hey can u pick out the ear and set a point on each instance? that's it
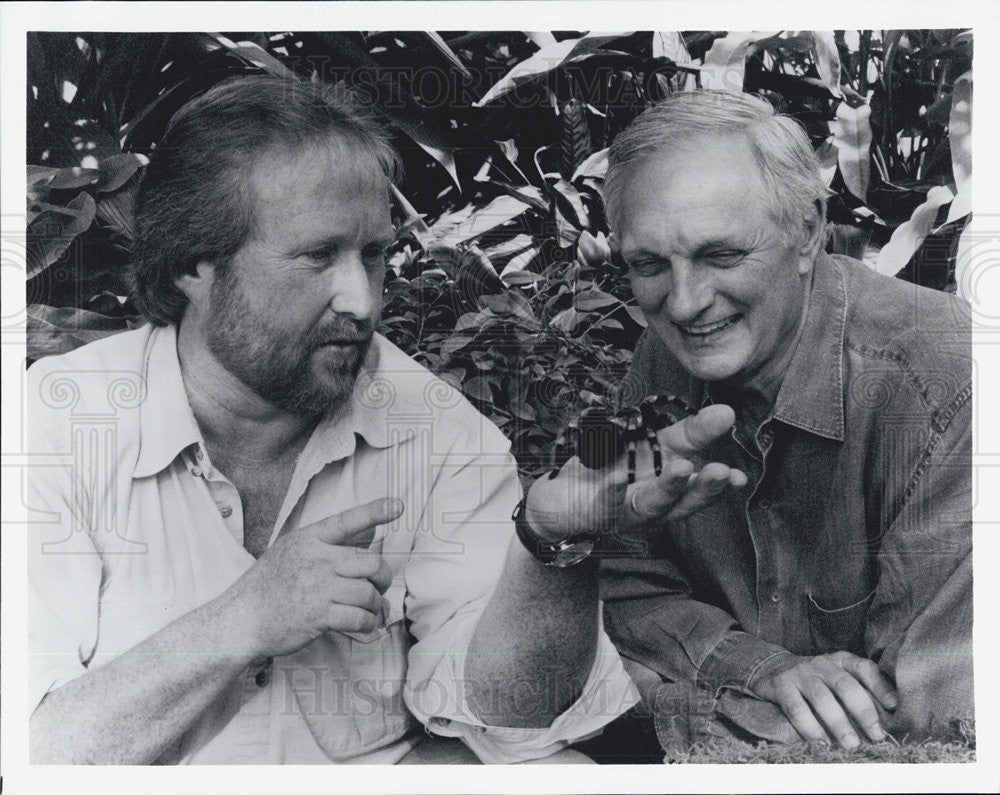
(813, 240)
(196, 286)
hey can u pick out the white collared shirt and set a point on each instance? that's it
(135, 528)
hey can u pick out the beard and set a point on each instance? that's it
(296, 372)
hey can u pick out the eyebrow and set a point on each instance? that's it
(384, 238)
(716, 243)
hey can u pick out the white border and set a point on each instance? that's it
(982, 16)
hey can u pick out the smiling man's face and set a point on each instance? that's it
(717, 279)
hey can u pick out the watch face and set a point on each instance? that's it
(572, 554)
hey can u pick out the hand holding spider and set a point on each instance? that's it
(631, 471)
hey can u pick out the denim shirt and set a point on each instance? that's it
(854, 531)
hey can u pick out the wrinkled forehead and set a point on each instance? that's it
(719, 171)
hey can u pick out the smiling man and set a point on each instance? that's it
(275, 538)
(832, 599)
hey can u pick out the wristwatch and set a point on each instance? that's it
(561, 554)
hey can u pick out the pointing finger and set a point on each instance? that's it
(356, 526)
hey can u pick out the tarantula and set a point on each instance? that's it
(599, 435)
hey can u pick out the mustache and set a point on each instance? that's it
(344, 331)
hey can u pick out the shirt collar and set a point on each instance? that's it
(166, 423)
(168, 426)
(365, 413)
(811, 396)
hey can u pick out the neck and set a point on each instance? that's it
(236, 423)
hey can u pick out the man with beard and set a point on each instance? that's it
(290, 543)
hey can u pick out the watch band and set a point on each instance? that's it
(561, 554)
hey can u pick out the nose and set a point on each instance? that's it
(690, 293)
(352, 289)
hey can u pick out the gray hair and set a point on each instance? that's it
(784, 156)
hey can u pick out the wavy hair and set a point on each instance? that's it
(781, 149)
(195, 202)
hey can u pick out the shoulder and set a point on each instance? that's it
(923, 335)
(403, 393)
(94, 379)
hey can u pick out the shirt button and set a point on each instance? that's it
(198, 453)
(263, 677)
(196, 471)
(765, 504)
(776, 597)
(440, 721)
(226, 511)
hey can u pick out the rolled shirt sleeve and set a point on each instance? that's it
(455, 565)
(655, 621)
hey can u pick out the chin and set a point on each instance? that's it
(711, 370)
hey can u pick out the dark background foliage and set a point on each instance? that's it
(501, 280)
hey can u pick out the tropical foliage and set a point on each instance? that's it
(501, 279)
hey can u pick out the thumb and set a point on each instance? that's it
(356, 526)
(693, 434)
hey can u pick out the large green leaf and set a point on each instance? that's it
(441, 46)
(910, 235)
(511, 302)
(116, 209)
(826, 154)
(594, 167)
(253, 54)
(670, 44)
(547, 59)
(852, 134)
(827, 59)
(54, 229)
(724, 65)
(116, 170)
(72, 178)
(595, 299)
(498, 212)
(960, 141)
(570, 203)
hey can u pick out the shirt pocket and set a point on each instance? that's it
(378, 674)
(394, 596)
(358, 707)
(839, 628)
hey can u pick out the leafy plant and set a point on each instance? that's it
(501, 280)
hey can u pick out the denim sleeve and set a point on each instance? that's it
(920, 622)
(652, 618)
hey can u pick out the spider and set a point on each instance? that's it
(598, 435)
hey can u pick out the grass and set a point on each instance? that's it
(960, 747)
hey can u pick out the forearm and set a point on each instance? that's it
(534, 645)
(652, 618)
(136, 707)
